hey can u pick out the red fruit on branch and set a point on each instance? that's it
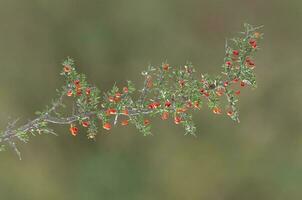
(77, 82)
(168, 104)
(146, 122)
(125, 112)
(206, 94)
(196, 105)
(69, 93)
(166, 67)
(253, 43)
(181, 110)
(88, 91)
(125, 90)
(125, 122)
(217, 110)
(181, 83)
(79, 92)
(107, 126)
(228, 63)
(237, 92)
(85, 124)
(165, 115)
(73, 130)
(230, 113)
(111, 111)
(67, 68)
(118, 95)
(219, 92)
(177, 120)
(235, 52)
(242, 84)
(111, 99)
(225, 84)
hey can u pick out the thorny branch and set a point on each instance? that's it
(166, 91)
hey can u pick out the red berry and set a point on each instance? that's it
(181, 110)
(111, 111)
(253, 43)
(237, 92)
(226, 84)
(125, 112)
(166, 67)
(73, 130)
(219, 92)
(88, 91)
(230, 113)
(181, 83)
(67, 68)
(125, 122)
(111, 99)
(206, 94)
(196, 105)
(146, 122)
(168, 104)
(85, 124)
(126, 90)
(217, 110)
(235, 52)
(69, 93)
(118, 95)
(165, 115)
(235, 80)
(77, 82)
(242, 84)
(79, 92)
(177, 120)
(228, 63)
(107, 126)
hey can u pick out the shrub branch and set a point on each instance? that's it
(168, 92)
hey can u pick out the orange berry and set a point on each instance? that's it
(146, 122)
(230, 113)
(107, 126)
(177, 120)
(125, 122)
(217, 111)
(168, 104)
(196, 105)
(235, 52)
(67, 68)
(118, 95)
(73, 130)
(69, 93)
(166, 67)
(88, 91)
(111, 111)
(125, 112)
(219, 92)
(85, 124)
(165, 115)
(126, 90)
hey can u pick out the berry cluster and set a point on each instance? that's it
(168, 92)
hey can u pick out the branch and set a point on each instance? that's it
(166, 91)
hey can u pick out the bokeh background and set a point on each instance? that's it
(113, 41)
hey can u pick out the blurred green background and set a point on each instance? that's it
(113, 41)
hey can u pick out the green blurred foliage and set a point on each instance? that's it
(112, 41)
